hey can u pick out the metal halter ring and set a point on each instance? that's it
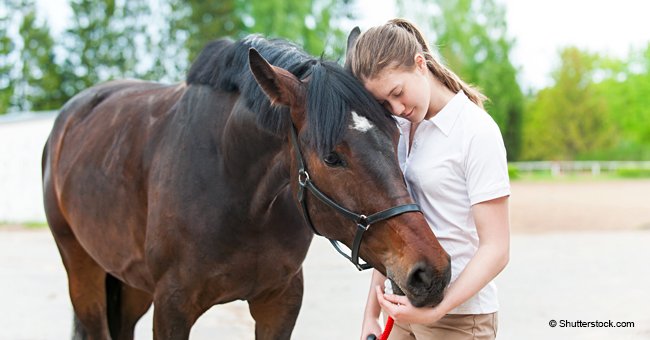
(302, 173)
(363, 222)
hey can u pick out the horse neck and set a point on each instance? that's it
(250, 152)
(225, 141)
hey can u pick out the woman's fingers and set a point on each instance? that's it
(396, 299)
(389, 307)
(392, 298)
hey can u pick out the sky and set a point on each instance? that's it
(540, 29)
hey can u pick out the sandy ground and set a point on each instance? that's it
(580, 205)
(579, 253)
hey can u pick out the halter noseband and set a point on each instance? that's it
(363, 222)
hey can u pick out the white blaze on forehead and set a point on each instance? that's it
(360, 123)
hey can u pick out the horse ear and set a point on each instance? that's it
(278, 84)
(352, 38)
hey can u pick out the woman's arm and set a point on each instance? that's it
(371, 313)
(493, 227)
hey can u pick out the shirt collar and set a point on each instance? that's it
(402, 121)
(403, 124)
(446, 118)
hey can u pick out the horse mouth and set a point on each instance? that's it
(429, 298)
(396, 288)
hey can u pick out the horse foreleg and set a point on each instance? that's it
(126, 305)
(275, 313)
(174, 313)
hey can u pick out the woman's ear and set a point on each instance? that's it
(420, 62)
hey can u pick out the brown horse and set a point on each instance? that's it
(187, 195)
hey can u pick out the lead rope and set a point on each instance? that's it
(387, 329)
(388, 289)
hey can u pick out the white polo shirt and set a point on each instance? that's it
(457, 159)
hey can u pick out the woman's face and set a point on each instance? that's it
(405, 92)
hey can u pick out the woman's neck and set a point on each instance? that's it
(440, 96)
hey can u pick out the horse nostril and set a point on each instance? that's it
(426, 284)
(421, 277)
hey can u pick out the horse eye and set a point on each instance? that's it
(333, 159)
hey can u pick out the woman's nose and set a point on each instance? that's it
(397, 108)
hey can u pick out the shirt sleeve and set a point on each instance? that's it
(486, 166)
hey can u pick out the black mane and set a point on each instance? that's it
(332, 92)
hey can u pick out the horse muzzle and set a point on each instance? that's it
(423, 285)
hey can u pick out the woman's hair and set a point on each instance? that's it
(394, 44)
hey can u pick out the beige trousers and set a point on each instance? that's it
(450, 327)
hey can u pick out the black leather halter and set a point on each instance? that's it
(363, 222)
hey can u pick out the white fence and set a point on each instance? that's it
(22, 137)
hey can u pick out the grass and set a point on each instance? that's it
(576, 176)
(27, 225)
(633, 173)
(545, 175)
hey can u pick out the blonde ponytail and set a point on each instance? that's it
(393, 45)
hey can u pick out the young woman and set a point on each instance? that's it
(453, 158)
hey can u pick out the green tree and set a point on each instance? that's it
(568, 119)
(150, 39)
(637, 85)
(311, 24)
(624, 87)
(199, 22)
(473, 41)
(102, 44)
(38, 84)
(6, 64)
(165, 40)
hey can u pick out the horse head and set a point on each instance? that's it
(344, 146)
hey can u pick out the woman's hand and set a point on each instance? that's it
(401, 309)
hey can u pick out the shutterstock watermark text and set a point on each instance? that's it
(590, 324)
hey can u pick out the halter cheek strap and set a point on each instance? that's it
(363, 222)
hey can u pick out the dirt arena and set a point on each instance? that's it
(580, 205)
(579, 253)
